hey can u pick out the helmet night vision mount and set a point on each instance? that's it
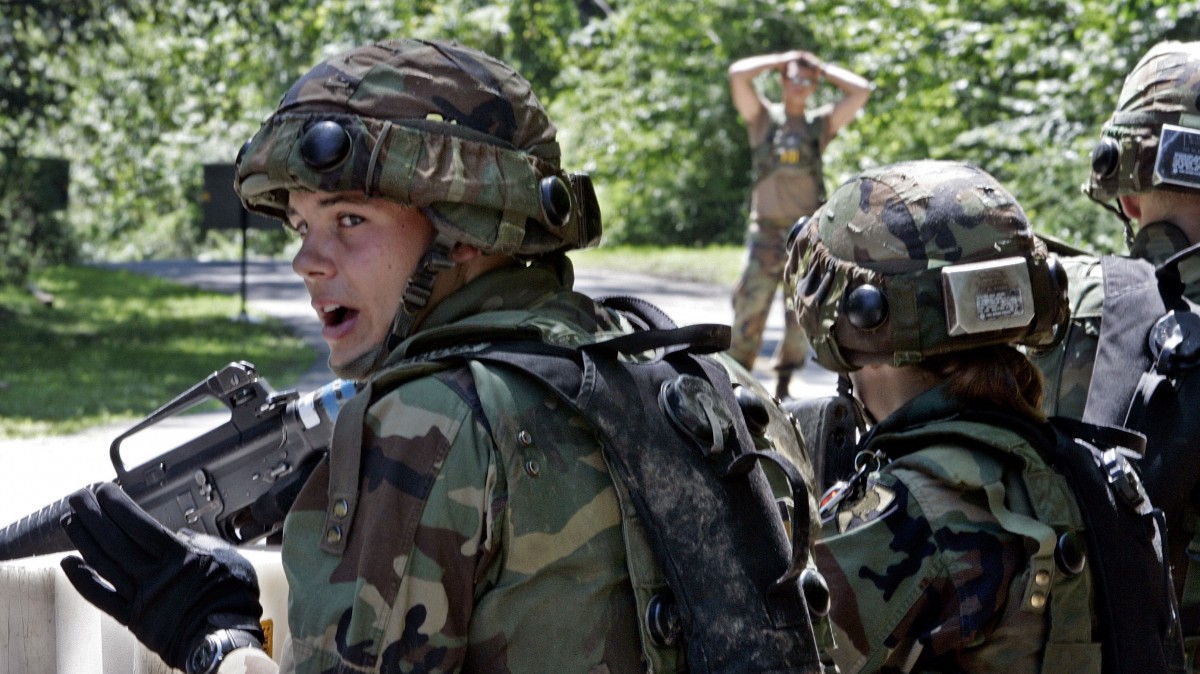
(919, 259)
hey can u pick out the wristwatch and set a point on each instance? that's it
(207, 656)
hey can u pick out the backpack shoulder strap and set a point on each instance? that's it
(1134, 594)
(673, 434)
(1132, 303)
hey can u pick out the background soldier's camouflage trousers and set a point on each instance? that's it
(766, 256)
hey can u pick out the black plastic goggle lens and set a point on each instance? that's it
(325, 145)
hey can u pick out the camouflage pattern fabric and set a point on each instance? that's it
(1161, 89)
(933, 563)
(789, 183)
(486, 522)
(1067, 367)
(766, 256)
(432, 124)
(896, 228)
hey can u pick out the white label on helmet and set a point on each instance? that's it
(987, 296)
(1178, 160)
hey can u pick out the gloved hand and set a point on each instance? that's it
(169, 590)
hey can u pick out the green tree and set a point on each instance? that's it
(1019, 88)
(139, 95)
(34, 88)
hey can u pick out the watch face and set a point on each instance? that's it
(204, 657)
(208, 654)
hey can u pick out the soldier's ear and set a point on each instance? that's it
(1131, 205)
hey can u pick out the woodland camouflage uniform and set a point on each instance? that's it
(789, 183)
(470, 521)
(941, 544)
(533, 546)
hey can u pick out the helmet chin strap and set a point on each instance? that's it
(862, 416)
(419, 289)
(417, 292)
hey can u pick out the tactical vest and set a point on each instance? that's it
(691, 460)
(1115, 535)
(792, 147)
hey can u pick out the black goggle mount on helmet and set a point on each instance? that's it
(855, 316)
(428, 164)
(1120, 160)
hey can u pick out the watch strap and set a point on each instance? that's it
(207, 656)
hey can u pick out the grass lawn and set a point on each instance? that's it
(713, 264)
(116, 345)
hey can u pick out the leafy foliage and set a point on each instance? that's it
(34, 88)
(139, 95)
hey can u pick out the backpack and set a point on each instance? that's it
(686, 446)
(1136, 616)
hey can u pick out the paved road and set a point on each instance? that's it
(39, 471)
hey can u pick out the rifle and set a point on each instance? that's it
(236, 481)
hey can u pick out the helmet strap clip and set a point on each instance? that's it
(419, 288)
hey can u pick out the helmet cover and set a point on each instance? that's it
(1162, 89)
(916, 259)
(430, 124)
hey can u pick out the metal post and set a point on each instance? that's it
(243, 317)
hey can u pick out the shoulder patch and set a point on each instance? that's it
(875, 501)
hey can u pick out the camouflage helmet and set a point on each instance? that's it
(430, 124)
(1152, 139)
(917, 259)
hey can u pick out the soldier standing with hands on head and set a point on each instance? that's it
(469, 515)
(787, 140)
(1132, 354)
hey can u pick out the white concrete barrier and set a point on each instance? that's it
(46, 627)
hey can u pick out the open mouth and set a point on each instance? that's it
(333, 315)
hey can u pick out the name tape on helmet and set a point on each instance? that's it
(1178, 160)
(987, 296)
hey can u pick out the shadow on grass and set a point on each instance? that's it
(117, 345)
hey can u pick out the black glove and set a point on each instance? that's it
(169, 590)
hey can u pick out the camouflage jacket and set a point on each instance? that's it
(487, 536)
(939, 563)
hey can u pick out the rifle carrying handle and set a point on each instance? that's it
(38, 533)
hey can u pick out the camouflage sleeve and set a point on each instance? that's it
(400, 597)
(921, 572)
(248, 661)
(454, 541)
